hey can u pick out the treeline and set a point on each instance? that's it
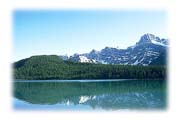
(52, 67)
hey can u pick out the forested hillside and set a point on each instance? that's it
(53, 67)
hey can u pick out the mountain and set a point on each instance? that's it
(53, 67)
(149, 50)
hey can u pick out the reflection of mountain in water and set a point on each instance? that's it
(105, 95)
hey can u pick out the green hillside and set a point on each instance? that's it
(52, 67)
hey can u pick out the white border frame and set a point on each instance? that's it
(8, 6)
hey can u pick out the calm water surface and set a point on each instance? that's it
(90, 94)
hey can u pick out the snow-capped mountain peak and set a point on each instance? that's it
(147, 38)
(150, 38)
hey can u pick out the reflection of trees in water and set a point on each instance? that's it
(106, 95)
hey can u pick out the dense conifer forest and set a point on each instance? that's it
(46, 67)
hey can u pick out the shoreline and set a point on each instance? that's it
(86, 80)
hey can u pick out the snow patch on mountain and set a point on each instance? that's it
(136, 62)
(84, 59)
(158, 43)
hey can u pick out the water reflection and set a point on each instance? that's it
(112, 95)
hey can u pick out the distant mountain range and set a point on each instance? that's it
(150, 50)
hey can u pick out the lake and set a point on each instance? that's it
(89, 95)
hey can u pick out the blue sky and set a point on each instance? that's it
(39, 32)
